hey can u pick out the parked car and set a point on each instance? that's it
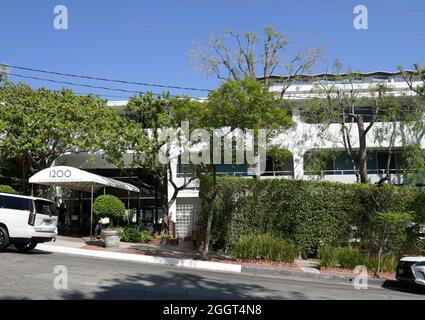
(411, 269)
(26, 221)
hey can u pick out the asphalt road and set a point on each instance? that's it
(31, 276)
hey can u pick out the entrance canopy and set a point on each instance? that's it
(73, 178)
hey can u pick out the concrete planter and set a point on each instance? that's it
(111, 238)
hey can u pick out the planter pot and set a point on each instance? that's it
(111, 238)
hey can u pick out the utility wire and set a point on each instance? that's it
(106, 79)
(203, 30)
(85, 85)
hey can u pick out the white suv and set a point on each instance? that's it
(26, 221)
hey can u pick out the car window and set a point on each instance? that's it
(15, 203)
(45, 207)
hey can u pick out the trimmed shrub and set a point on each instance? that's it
(265, 247)
(109, 206)
(7, 189)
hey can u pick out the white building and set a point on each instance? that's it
(301, 142)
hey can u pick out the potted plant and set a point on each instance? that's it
(109, 206)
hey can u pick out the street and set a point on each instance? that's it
(31, 276)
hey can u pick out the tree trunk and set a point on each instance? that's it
(24, 173)
(362, 165)
(362, 156)
(208, 231)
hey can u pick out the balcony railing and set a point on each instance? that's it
(353, 172)
(187, 175)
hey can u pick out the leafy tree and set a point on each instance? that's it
(39, 125)
(236, 106)
(234, 57)
(152, 115)
(414, 155)
(392, 228)
(4, 71)
(411, 78)
(338, 101)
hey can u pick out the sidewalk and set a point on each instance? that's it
(181, 256)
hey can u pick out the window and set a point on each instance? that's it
(45, 207)
(281, 167)
(337, 162)
(15, 203)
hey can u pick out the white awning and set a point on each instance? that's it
(73, 178)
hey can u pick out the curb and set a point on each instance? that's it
(186, 263)
(307, 274)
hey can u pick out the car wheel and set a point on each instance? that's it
(4, 239)
(25, 247)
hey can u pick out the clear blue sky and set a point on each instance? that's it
(149, 41)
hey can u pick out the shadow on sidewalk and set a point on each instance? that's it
(175, 285)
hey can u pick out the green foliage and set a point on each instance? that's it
(108, 206)
(328, 257)
(7, 189)
(350, 257)
(388, 262)
(306, 212)
(164, 236)
(265, 247)
(393, 228)
(39, 125)
(245, 104)
(136, 235)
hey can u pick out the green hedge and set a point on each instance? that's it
(306, 212)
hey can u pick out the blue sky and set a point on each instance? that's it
(149, 41)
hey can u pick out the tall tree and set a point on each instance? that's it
(38, 126)
(413, 152)
(153, 114)
(238, 105)
(338, 101)
(234, 57)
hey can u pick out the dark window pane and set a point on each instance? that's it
(343, 163)
(383, 159)
(16, 203)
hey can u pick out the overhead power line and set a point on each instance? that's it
(239, 3)
(106, 79)
(84, 85)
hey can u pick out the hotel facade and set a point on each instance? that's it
(302, 142)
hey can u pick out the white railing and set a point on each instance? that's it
(187, 175)
(353, 172)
